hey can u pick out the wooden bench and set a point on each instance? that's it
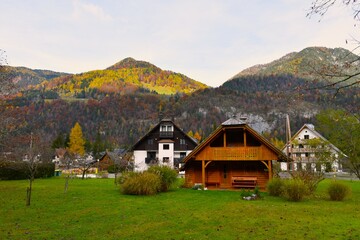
(216, 184)
(243, 182)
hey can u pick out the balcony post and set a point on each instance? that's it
(203, 172)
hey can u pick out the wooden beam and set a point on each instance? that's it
(244, 138)
(267, 166)
(270, 169)
(207, 163)
(224, 139)
(203, 172)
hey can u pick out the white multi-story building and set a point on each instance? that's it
(165, 144)
(310, 150)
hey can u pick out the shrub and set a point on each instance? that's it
(310, 178)
(245, 193)
(295, 189)
(167, 175)
(20, 170)
(275, 187)
(143, 183)
(338, 191)
(111, 169)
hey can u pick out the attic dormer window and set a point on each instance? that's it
(166, 130)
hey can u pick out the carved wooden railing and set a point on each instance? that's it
(236, 153)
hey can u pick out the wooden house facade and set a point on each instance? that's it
(110, 158)
(165, 144)
(233, 156)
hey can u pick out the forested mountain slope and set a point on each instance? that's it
(122, 102)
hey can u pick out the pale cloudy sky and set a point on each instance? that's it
(207, 40)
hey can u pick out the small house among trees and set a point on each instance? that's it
(233, 156)
(165, 144)
(110, 159)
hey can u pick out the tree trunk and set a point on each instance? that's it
(28, 193)
(66, 183)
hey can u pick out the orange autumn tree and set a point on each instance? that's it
(77, 148)
(77, 141)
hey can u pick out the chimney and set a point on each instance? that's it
(243, 119)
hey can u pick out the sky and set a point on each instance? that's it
(207, 40)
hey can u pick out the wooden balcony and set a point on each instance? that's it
(166, 134)
(304, 150)
(235, 153)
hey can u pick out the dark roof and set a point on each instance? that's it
(114, 155)
(156, 126)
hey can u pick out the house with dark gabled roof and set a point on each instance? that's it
(164, 144)
(233, 156)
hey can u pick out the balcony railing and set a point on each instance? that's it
(239, 153)
(166, 134)
(304, 150)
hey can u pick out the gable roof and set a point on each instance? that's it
(114, 155)
(228, 124)
(158, 126)
(311, 128)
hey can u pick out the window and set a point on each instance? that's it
(166, 128)
(150, 141)
(306, 154)
(166, 159)
(306, 136)
(182, 141)
(299, 167)
(166, 146)
(182, 155)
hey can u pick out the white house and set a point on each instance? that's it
(310, 150)
(165, 144)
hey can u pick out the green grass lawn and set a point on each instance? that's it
(95, 209)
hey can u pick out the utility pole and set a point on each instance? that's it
(288, 142)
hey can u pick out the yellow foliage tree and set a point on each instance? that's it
(77, 141)
(197, 136)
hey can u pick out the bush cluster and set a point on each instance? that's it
(295, 189)
(310, 178)
(19, 170)
(142, 183)
(167, 175)
(275, 187)
(156, 179)
(338, 191)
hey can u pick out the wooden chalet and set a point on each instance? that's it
(109, 159)
(165, 144)
(233, 156)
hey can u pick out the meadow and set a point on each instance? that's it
(95, 209)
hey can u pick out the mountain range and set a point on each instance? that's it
(123, 101)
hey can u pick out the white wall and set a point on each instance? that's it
(140, 164)
(166, 153)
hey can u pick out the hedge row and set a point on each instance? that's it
(20, 170)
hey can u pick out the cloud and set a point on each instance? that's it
(82, 10)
